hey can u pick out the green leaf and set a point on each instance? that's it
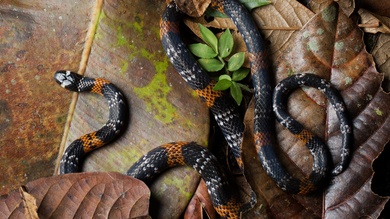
(215, 13)
(222, 85)
(209, 37)
(236, 92)
(225, 44)
(235, 62)
(202, 50)
(244, 87)
(225, 77)
(240, 74)
(251, 4)
(211, 65)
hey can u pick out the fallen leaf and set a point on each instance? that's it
(377, 7)
(329, 45)
(348, 6)
(372, 23)
(382, 58)
(81, 195)
(200, 202)
(29, 204)
(275, 20)
(193, 8)
(126, 50)
(32, 111)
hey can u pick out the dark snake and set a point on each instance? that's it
(226, 114)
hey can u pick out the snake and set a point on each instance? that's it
(75, 153)
(269, 104)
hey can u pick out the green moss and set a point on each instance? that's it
(306, 34)
(178, 183)
(121, 39)
(313, 46)
(348, 80)
(124, 67)
(339, 45)
(102, 16)
(155, 95)
(61, 119)
(320, 31)
(378, 112)
(290, 72)
(138, 25)
(329, 14)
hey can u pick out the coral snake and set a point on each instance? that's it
(226, 114)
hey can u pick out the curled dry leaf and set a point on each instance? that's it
(193, 8)
(29, 204)
(82, 195)
(348, 6)
(372, 23)
(382, 58)
(200, 202)
(329, 45)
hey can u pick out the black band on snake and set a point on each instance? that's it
(228, 118)
(75, 152)
(226, 115)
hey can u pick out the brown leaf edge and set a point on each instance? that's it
(81, 195)
(29, 203)
(200, 203)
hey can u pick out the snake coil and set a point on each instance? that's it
(226, 114)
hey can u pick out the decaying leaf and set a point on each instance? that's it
(81, 195)
(377, 7)
(200, 202)
(372, 23)
(194, 8)
(126, 49)
(331, 46)
(348, 6)
(29, 203)
(275, 20)
(382, 58)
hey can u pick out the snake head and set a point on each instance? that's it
(67, 79)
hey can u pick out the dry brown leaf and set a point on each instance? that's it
(126, 49)
(382, 58)
(372, 23)
(193, 8)
(348, 6)
(200, 202)
(290, 15)
(277, 21)
(377, 7)
(29, 204)
(82, 195)
(331, 46)
(32, 111)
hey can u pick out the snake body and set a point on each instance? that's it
(226, 115)
(191, 154)
(76, 151)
